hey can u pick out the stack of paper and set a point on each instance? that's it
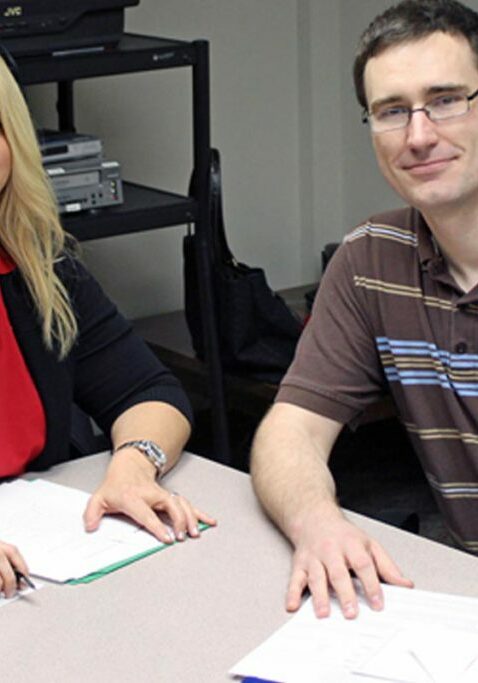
(419, 637)
(45, 522)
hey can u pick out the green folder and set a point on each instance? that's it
(124, 563)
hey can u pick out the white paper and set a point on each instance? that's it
(420, 637)
(45, 521)
(20, 595)
(422, 655)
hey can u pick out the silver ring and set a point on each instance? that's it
(174, 494)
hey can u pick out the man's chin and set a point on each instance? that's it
(432, 199)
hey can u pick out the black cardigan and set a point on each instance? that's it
(108, 370)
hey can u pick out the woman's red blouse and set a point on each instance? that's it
(22, 418)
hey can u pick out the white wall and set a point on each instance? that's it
(325, 138)
(364, 189)
(298, 167)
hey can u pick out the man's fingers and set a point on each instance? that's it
(297, 585)
(340, 580)
(315, 578)
(362, 562)
(324, 561)
(387, 568)
(320, 591)
(370, 563)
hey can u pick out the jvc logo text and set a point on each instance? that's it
(13, 11)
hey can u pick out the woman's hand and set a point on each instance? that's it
(130, 488)
(10, 560)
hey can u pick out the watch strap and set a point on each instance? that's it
(150, 450)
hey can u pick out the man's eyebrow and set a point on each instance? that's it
(431, 90)
(384, 101)
(446, 87)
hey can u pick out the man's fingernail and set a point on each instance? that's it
(376, 601)
(180, 536)
(349, 610)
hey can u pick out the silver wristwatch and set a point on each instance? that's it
(151, 450)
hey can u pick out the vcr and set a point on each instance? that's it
(32, 27)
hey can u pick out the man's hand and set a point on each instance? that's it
(327, 549)
(130, 488)
(10, 560)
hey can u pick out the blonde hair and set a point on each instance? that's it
(30, 228)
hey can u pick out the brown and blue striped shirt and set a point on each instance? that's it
(390, 318)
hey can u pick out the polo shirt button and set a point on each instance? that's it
(461, 347)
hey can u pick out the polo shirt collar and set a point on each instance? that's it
(432, 261)
(428, 250)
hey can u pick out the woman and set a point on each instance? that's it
(63, 342)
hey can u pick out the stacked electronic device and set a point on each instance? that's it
(80, 176)
(35, 27)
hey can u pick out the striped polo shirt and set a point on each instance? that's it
(389, 318)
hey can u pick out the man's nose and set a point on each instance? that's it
(421, 131)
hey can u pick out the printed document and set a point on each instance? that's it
(420, 637)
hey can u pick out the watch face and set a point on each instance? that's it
(156, 453)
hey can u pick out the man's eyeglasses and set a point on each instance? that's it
(440, 108)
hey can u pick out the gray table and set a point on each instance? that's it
(185, 615)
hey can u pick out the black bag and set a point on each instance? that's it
(257, 331)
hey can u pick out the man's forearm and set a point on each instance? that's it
(289, 467)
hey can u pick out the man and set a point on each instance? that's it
(397, 310)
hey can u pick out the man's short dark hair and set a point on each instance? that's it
(411, 20)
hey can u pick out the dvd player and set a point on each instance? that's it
(58, 146)
(31, 27)
(90, 183)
